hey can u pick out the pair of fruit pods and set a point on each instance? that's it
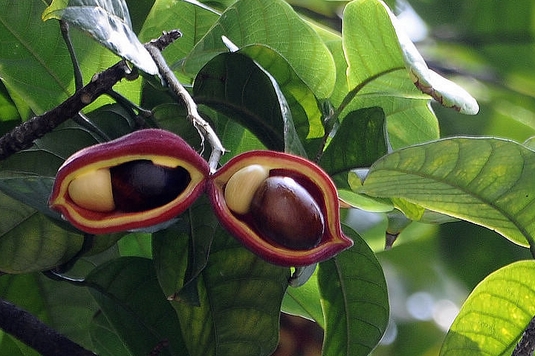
(282, 207)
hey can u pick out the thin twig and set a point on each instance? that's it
(34, 333)
(78, 79)
(526, 345)
(155, 47)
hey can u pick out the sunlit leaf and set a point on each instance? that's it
(376, 75)
(444, 91)
(129, 295)
(487, 181)
(496, 313)
(109, 23)
(305, 301)
(355, 300)
(25, 57)
(192, 20)
(276, 25)
(8, 109)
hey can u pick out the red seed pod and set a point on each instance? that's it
(282, 207)
(136, 181)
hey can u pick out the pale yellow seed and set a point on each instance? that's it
(242, 186)
(93, 191)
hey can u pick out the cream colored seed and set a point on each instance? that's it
(93, 191)
(242, 186)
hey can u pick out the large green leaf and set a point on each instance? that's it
(29, 241)
(32, 57)
(235, 85)
(109, 23)
(487, 181)
(305, 301)
(377, 76)
(105, 339)
(359, 141)
(276, 25)
(25, 57)
(193, 235)
(239, 294)
(355, 300)
(65, 307)
(496, 313)
(301, 100)
(191, 19)
(130, 297)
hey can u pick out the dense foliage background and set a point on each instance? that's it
(485, 46)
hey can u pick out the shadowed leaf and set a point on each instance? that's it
(128, 294)
(239, 295)
(354, 299)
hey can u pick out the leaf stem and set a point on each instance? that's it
(78, 78)
(205, 130)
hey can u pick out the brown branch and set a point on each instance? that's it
(526, 345)
(155, 48)
(34, 333)
(22, 136)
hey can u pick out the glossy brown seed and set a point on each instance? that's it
(142, 185)
(284, 212)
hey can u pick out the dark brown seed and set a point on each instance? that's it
(142, 185)
(284, 212)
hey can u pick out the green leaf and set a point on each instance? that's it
(181, 252)
(28, 240)
(8, 109)
(496, 313)
(106, 340)
(193, 20)
(65, 307)
(109, 23)
(235, 85)
(128, 293)
(359, 141)
(276, 25)
(306, 114)
(486, 181)
(445, 92)
(239, 295)
(46, 57)
(32, 57)
(355, 300)
(376, 75)
(305, 301)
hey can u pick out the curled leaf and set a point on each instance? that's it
(446, 92)
(109, 23)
